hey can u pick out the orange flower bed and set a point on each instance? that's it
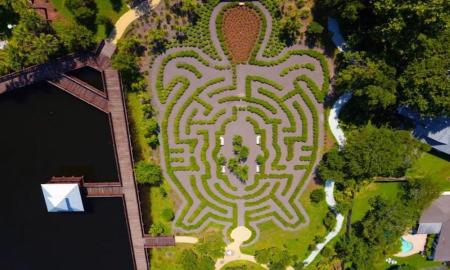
(240, 27)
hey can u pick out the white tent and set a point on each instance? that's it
(62, 197)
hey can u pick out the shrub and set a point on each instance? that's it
(147, 173)
(260, 159)
(157, 229)
(317, 195)
(329, 221)
(314, 28)
(163, 192)
(167, 214)
(221, 160)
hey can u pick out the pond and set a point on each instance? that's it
(90, 76)
(46, 132)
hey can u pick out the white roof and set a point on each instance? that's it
(62, 197)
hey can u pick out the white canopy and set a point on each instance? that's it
(62, 197)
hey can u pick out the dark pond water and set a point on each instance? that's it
(90, 76)
(43, 132)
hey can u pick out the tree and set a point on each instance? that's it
(84, 11)
(314, 28)
(76, 37)
(425, 85)
(329, 221)
(147, 173)
(167, 214)
(372, 82)
(191, 260)
(274, 257)
(33, 42)
(126, 59)
(332, 166)
(211, 246)
(290, 28)
(317, 195)
(157, 40)
(420, 192)
(243, 153)
(353, 251)
(371, 152)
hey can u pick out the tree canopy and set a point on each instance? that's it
(371, 152)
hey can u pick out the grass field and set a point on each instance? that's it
(418, 261)
(433, 166)
(169, 258)
(111, 9)
(361, 203)
(249, 265)
(296, 242)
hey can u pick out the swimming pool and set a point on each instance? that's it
(406, 245)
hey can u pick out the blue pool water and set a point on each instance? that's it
(406, 245)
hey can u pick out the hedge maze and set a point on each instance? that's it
(274, 104)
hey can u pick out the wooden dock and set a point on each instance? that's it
(81, 91)
(45, 71)
(162, 241)
(112, 103)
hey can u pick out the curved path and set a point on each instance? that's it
(129, 17)
(202, 100)
(338, 133)
(233, 250)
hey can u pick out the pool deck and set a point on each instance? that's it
(418, 241)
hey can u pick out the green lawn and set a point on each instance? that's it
(415, 260)
(361, 203)
(141, 150)
(435, 167)
(249, 265)
(168, 258)
(296, 242)
(105, 8)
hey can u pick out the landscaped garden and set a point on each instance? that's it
(242, 127)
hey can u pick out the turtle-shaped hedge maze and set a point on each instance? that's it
(240, 135)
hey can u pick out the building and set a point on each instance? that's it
(433, 131)
(62, 197)
(436, 220)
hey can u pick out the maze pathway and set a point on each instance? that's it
(274, 104)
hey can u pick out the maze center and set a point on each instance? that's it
(272, 104)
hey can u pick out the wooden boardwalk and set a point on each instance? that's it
(100, 191)
(45, 71)
(112, 103)
(162, 241)
(123, 150)
(81, 91)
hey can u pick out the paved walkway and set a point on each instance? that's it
(128, 18)
(233, 251)
(186, 240)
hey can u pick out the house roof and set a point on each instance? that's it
(439, 212)
(62, 197)
(434, 131)
(442, 251)
(337, 38)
